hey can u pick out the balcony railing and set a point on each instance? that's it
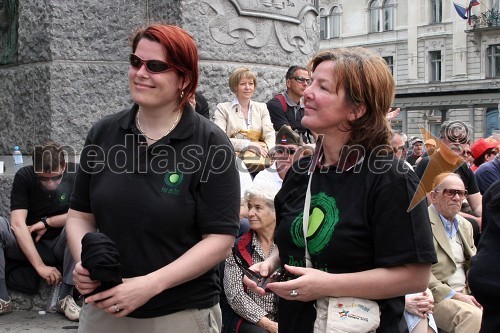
(487, 19)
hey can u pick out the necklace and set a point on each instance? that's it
(164, 135)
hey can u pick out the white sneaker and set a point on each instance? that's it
(69, 308)
(5, 306)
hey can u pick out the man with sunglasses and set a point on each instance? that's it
(287, 108)
(284, 154)
(455, 309)
(453, 137)
(35, 238)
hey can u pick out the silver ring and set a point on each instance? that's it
(294, 293)
(117, 309)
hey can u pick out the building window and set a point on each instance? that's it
(388, 11)
(381, 17)
(436, 11)
(492, 121)
(322, 23)
(334, 22)
(390, 63)
(435, 59)
(493, 59)
(374, 17)
(496, 5)
(330, 24)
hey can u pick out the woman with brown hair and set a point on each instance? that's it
(159, 181)
(361, 239)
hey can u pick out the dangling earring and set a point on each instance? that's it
(182, 93)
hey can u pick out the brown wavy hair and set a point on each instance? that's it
(180, 50)
(369, 85)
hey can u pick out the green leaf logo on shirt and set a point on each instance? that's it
(173, 179)
(63, 198)
(322, 221)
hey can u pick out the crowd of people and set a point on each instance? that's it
(287, 212)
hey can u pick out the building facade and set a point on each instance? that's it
(446, 67)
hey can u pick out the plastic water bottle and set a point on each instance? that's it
(53, 298)
(18, 156)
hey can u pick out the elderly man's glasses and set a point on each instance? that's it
(300, 79)
(449, 193)
(466, 153)
(281, 274)
(46, 179)
(152, 66)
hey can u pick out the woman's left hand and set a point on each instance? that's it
(124, 298)
(307, 287)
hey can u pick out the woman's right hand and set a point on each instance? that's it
(83, 283)
(264, 268)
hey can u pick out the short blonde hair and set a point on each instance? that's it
(241, 73)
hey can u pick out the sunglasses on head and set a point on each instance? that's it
(152, 66)
(301, 79)
(449, 193)
(46, 179)
(281, 274)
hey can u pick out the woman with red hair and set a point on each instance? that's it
(159, 181)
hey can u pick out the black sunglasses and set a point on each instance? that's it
(300, 79)
(279, 275)
(46, 179)
(152, 66)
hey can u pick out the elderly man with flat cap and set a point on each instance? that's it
(289, 147)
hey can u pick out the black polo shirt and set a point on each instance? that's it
(156, 202)
(29, 193)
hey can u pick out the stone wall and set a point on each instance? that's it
(71, 66)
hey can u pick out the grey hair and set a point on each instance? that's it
(264, 192)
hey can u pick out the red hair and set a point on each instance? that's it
(180, 51)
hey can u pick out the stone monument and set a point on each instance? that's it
(66, 66)
(64, 63)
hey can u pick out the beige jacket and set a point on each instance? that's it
(230, 118)
(446, 266)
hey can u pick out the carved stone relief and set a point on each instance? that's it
(279, 14)
(8, 31)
